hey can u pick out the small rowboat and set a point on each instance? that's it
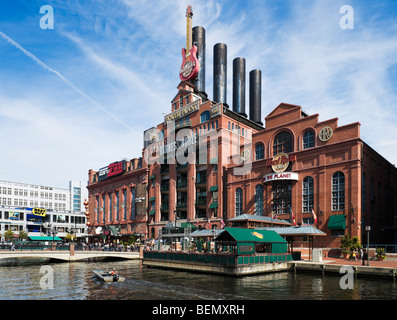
(107, 276)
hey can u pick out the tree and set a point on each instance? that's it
(23, 235)
(9, 235)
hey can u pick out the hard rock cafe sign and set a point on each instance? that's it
(280, 162)
(190, 64)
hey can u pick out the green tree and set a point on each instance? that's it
(23, 235)
(9, 235)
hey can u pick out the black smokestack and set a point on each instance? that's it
(256, 96)
(220, 73)
(239, 86)
(199, 42)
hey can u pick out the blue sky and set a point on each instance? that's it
(80, 96)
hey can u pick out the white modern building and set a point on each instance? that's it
(64, 209)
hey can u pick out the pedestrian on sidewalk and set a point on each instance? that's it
(364, 255)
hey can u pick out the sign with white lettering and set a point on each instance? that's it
(280, 176)
(112, 170)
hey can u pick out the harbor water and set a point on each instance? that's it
(25, 280)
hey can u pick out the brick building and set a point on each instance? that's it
(208, 163)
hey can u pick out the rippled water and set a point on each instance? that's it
(75, 281)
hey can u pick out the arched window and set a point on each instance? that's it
(338, 191)
(205, 116)
(259, 151)
(239, 201)
(308, 194)
(283, 143)
(259, 200)
(308, 139)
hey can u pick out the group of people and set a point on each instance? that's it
(107, 247)
(359, 254)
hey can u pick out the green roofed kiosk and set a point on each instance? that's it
(238, 252)
(250, 241)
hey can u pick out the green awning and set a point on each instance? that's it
(152, 213)
(250, 235)
(214, 188)
(152, 199)
(214, 161)
(337, 222)
(185, 225)
(152, 176)
(34, 238)
(214, 205)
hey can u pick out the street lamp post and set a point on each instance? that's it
(176, 218)
(368, 229)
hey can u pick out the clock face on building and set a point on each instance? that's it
(245, 154)
(325, 134)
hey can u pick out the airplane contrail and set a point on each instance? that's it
(44, 66)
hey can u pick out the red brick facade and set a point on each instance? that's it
(326, 168)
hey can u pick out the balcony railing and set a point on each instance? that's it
(181, 204)
(183, 124)
(201, 201)
(181, 184)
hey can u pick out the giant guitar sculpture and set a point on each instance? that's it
(190, 64)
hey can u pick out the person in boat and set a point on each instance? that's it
(115, 275)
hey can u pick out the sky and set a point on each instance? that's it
(78, 95)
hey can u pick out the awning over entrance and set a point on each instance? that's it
(249, 235)
(38, 238)
(337, 222)
(186, 225)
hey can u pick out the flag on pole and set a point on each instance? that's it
(209, 223)
(314, 216)
(222, 224)
(293, 221)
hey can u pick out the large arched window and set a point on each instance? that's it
(338, 191)
(308, 139)
(259, 151)
(308, 194)
(205, 116)
(283, 143)
(239, 201)
(259, 200)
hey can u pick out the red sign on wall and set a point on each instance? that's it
(112, 170)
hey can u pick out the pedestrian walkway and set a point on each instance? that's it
(373, 263)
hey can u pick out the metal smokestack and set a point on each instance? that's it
(220, 73)
(256, 96)
(199, 42)
(239, 86)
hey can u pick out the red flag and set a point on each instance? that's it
(222, 224)
(209, 224)
(314, 216)
(293, 217)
